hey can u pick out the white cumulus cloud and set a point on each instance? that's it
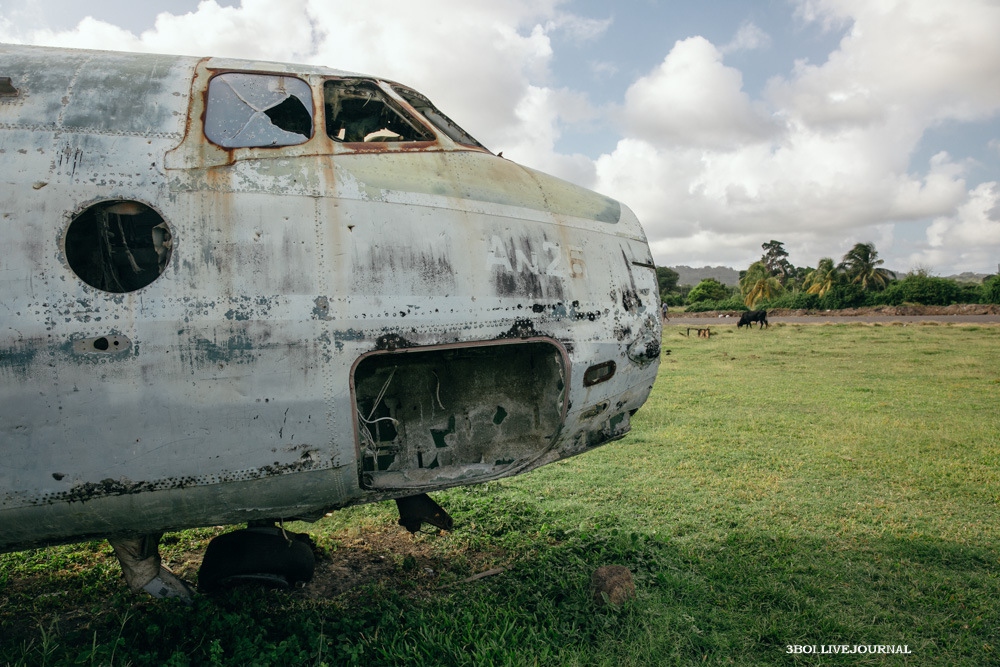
(748, 38)
(693, 98)
(823, 160)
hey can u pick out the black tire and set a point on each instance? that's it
(262, 555)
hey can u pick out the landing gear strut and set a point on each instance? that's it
(140, 561)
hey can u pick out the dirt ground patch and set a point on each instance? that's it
(387, 554)
(392, 556)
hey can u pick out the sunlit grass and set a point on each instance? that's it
(805, 484)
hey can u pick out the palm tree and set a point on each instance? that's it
(861, 264)
(820, 280)
(759, 285)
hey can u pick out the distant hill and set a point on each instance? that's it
(969, 277)
(692, 276)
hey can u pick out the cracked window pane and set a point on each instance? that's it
(247, 110)
(437, 119)
(358, 110)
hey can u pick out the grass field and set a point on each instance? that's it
(811, 485)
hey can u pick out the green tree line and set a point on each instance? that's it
(859, 279)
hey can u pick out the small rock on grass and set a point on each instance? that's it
(612, 584)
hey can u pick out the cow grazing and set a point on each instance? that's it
(748, 318)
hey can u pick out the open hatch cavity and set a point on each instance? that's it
(451, 416)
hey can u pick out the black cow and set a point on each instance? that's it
(748, 318)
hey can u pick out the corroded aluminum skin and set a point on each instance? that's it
(229, 397)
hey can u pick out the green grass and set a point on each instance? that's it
(813, 485)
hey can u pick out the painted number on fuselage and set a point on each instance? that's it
(552, 261)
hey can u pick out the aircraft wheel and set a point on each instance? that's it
(256, 555)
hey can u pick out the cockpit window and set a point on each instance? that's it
(438, 119)
(261, 110)
(358, 110)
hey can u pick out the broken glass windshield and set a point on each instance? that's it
(437, 119)
(258, 110)
(358, 110)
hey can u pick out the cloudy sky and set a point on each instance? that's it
(723, 124)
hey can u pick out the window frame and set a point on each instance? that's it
(390, 101)
(208, 116)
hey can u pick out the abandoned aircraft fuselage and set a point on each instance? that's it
(236, 290)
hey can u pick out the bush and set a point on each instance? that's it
(792, 301)
(848, 295)
(918, 288)
(672, 299)
(969, 293)
(989, 291)
(891, 296)
(732, 303)
(708, 289)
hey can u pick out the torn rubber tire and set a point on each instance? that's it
(256, 555)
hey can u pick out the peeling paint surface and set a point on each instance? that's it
(329, 322)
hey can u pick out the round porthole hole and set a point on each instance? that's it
(118, 246)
